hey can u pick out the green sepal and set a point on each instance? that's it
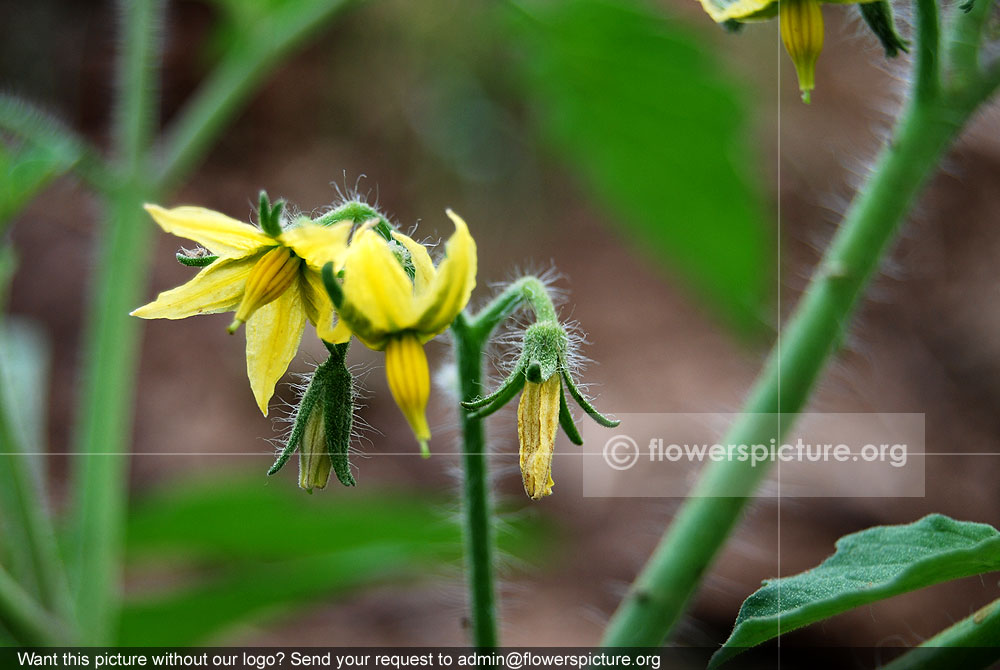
(566, 420)
(545, 344)
(306, 406)
(332, 286)
(510, 387)
(584, 403)
(732, 26)
(196, 261)
(339, 414)
(269, 216)
(354, 211)
(878, 16)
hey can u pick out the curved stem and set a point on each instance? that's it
(477, 507)
(970, 643)
(660, 593)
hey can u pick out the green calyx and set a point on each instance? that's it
(878, 16)
(544, 352)
(322, 429)
(268, 215)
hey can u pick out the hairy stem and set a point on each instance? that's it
(110, 348)
(662, 590)
(476, 504)
(970, 643)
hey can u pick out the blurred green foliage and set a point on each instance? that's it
(644, 113)
(238, 551)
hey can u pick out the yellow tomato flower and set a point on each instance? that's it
(388, 311)
(272, 283)
(801, 23)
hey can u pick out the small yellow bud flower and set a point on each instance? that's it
(314, 456)
(537, 422)
(270, 277)
(802, 32)
(409, 380)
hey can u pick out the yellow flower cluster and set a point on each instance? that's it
(394, 299)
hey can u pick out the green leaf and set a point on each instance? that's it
(251, 549)
(868, 566)
(654, 126)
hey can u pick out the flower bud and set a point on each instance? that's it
(322, 429)
(802, 33)
(314, 454)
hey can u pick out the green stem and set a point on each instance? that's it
(25, 499)
(471, 335)
(233, 81)
(970, 643)
(477, 507)
(110, 348)
(662, 590)
(25, 618)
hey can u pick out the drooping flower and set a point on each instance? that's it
(270, 277)
(801, 23)
(542, 375)
(537, 424)
(393, 299)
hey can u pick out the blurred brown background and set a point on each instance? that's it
(925, 340)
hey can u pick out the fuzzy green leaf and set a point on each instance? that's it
(868, 566)
(655, 127)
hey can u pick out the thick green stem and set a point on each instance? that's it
(110, 347)
(970, 643)
(477, 507)
(663, 588)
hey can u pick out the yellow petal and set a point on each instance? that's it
(217, 288)
(423, 267)
(318, 245)
(216, 232)
(342, 333)
(318, 306)
(410, 383)
(270, 278)
(452, 286)
(537, 422)
(273, 335)
(377, 293)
